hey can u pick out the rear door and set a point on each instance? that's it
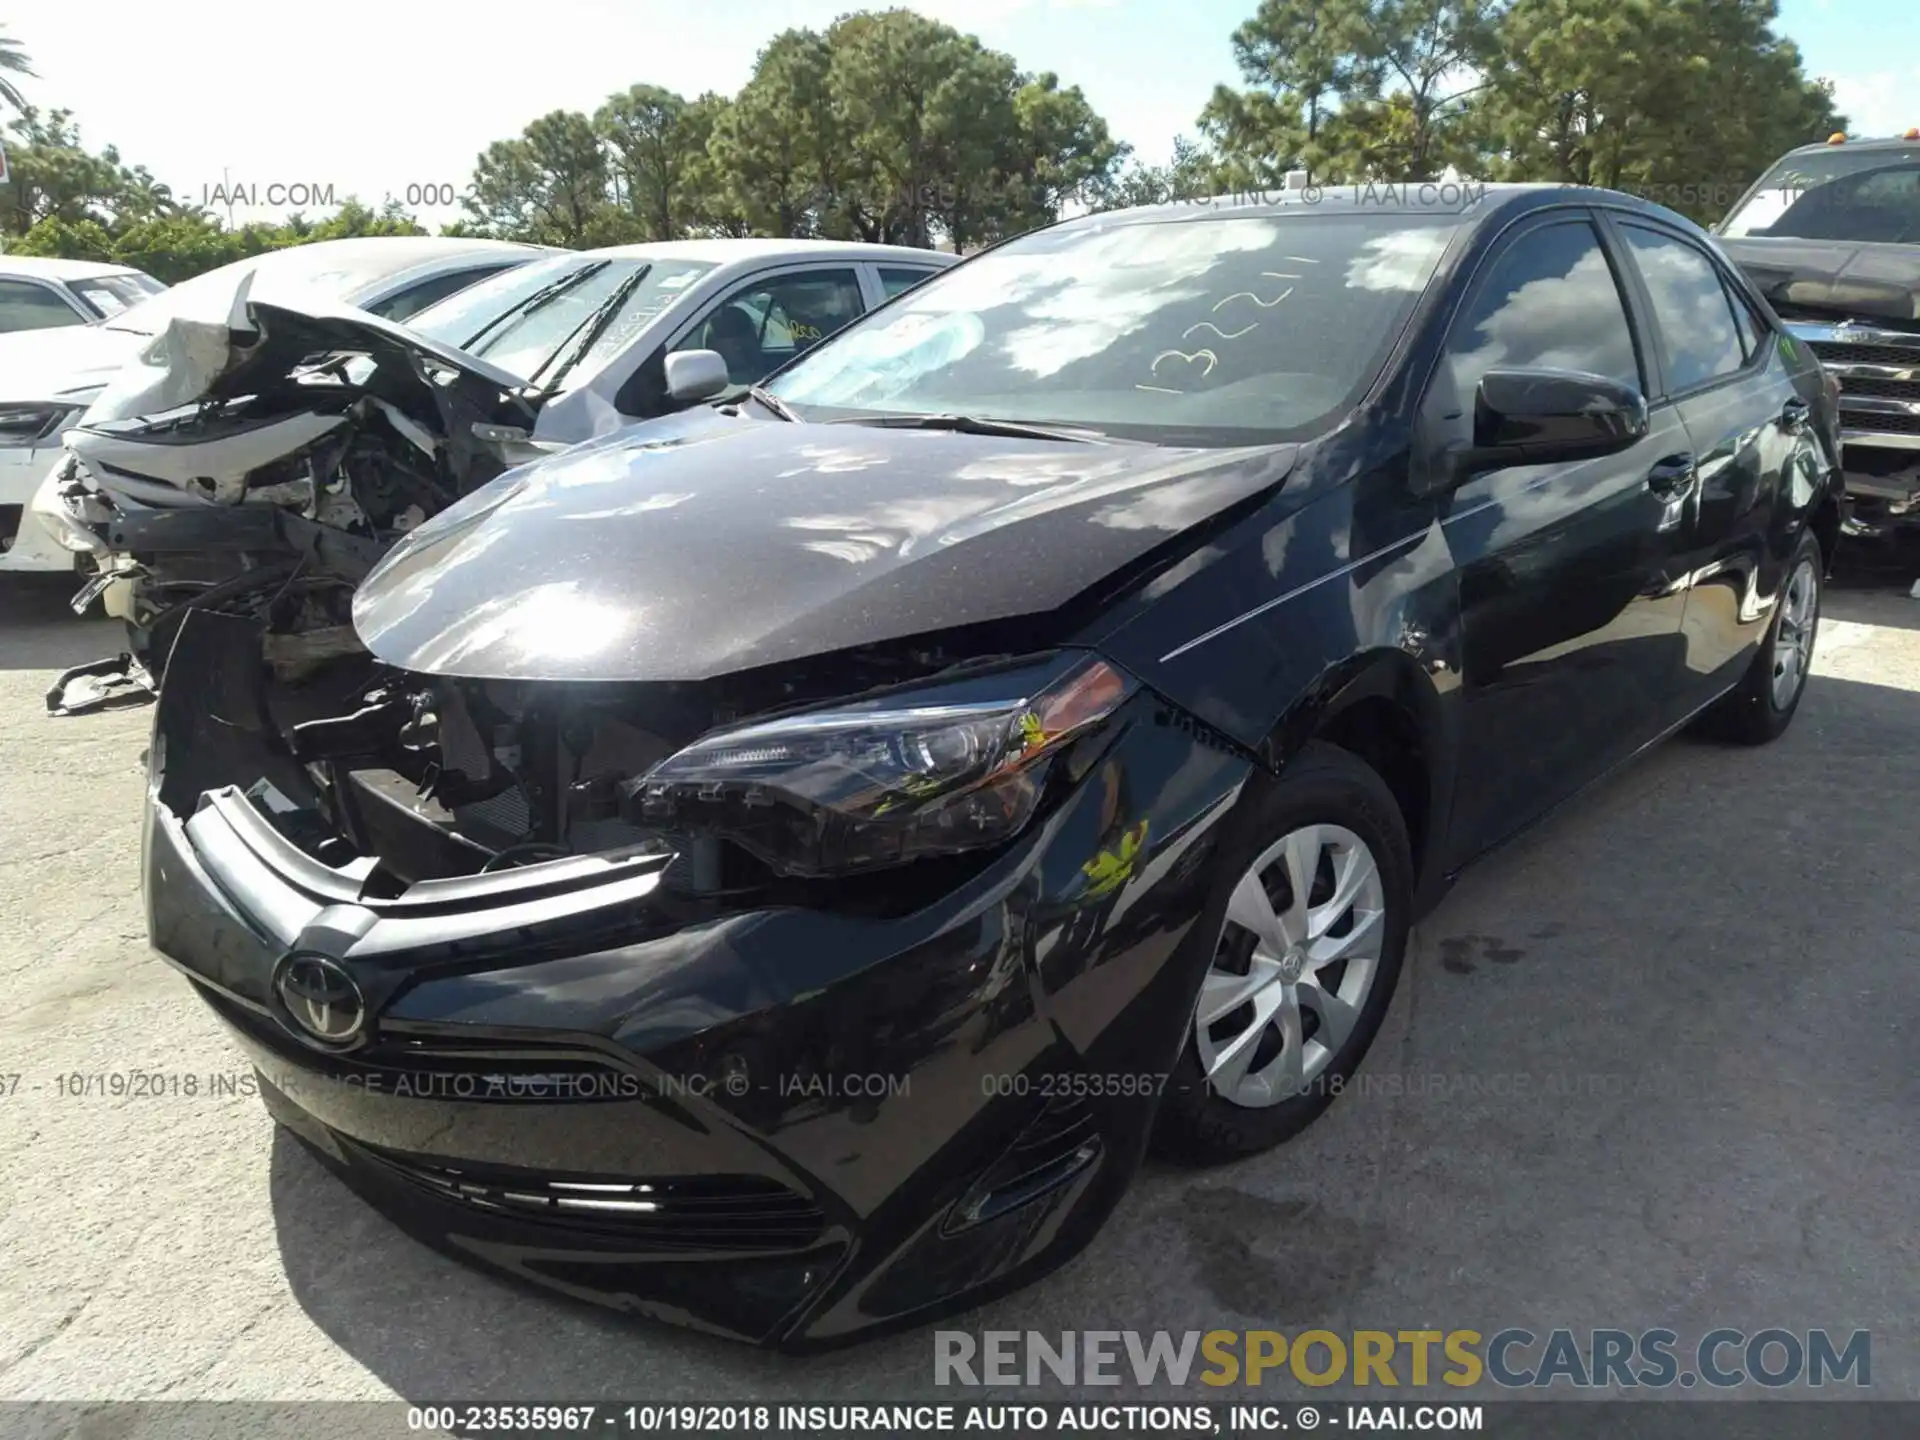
(1571, 588)
(1748, 428)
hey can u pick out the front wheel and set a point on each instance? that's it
(1305, 964)
(1761, 706)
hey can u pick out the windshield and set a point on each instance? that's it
(1838, 194)
(1204, 331)
(524, 319)
(110, 295)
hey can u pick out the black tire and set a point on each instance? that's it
(1322, 786)
(1751, 713)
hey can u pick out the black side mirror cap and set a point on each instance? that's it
(1544, 417)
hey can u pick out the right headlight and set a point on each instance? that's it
(24, 426)
(927, 772)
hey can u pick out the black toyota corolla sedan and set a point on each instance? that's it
(777, 868)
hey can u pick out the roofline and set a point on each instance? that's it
(1853, 142)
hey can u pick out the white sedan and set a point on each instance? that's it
(39, 293)
(590, 331)
(49, 377)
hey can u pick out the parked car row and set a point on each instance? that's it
(777, 867)
(282, 426)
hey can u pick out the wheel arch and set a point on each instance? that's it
(1381, 707)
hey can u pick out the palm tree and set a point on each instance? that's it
(13, 61)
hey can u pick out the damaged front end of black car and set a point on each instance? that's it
(258, 466)
(743, 954)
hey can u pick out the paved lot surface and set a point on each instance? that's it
(1654, 1065)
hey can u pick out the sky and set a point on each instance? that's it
(395, 98)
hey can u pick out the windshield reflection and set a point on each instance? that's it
(1202, 330)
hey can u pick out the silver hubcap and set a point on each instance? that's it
(1294, 966)
(1793, 640)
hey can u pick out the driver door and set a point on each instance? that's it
(1572, 589)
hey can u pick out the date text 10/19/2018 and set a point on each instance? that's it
(925, 1419)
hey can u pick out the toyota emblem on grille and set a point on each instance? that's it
(321, 999)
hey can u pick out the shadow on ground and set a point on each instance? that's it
(39, 631)
(1650, 1065)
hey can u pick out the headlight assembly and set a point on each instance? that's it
(933, 771)
(24, 426)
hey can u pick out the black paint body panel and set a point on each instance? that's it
(1524, 630)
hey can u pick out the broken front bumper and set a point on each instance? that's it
(788, 1125)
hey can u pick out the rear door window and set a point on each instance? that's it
(1699, 339)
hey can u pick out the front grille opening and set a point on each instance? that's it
(1874, 387)
(1873, 422)
(746, 1213)
(1842, 352)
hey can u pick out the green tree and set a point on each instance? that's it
(1689, 99)
(13, 61)
(1352, 89)
(1302, 60)
(1190, 175)
(51, 175)
(354, 217)
(1066, 154)
(65, 240)
(778, 152)
(549, 184)
(652, 144)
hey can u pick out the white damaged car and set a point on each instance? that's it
(49, 376)
(262, 456)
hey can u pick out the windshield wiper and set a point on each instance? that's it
(981, 425)
(773, 402)
(589, 330)
(540, 298)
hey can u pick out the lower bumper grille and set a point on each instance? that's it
(743, 1213)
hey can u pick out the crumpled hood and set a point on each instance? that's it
(1838, 277)
(229, 337)
(707, 543)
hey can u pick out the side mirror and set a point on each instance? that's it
(696, 375)
(1543, 417)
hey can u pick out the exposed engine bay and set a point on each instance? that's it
(299, 455)
(397, 778)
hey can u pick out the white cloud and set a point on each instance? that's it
(1880, 102)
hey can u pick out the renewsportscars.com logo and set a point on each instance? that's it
(1723, 1358)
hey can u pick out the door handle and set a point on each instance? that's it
(1671, 476)
(1795, 416)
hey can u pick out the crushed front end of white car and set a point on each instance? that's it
(259, 463)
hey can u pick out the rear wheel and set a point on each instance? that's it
(1305, 964)
(1761, 707)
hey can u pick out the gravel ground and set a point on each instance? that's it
(1652, 1065)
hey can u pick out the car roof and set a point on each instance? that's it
(723, 251)
(1877, 142)
(44, 267)
(1475, 201)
